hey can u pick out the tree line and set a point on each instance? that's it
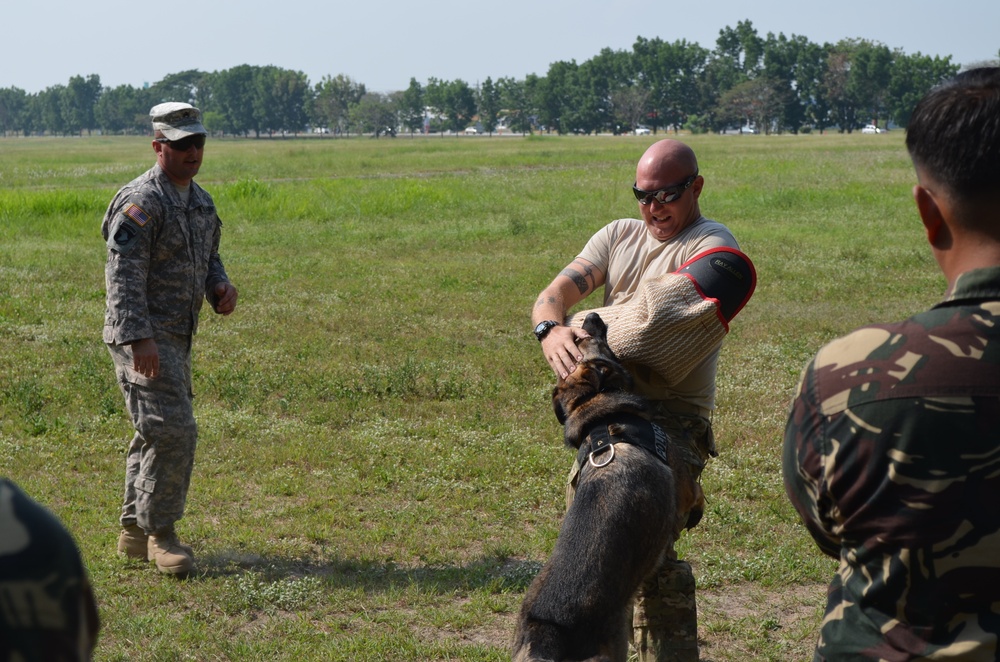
(776, 83)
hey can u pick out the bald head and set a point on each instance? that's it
(669, 164)
(664, 163)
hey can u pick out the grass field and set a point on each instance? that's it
(380, 474)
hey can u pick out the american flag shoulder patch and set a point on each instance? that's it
(134, 212)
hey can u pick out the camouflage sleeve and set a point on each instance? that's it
(216, 270)
(127, 229)
(804, 464)
(48, 608)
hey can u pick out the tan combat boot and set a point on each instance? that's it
(132, 543)
(170, 556)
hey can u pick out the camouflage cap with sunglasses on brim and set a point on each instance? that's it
(673, 321)
(177, 120)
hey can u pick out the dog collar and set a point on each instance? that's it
(598, 450)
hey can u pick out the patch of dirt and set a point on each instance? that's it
(750, 622)
(741, 622)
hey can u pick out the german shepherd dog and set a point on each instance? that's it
(621, 520)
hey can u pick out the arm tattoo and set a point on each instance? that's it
(578, 278)
(542, 301)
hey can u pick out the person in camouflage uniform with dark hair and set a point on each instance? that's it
(162, 233)
(47, 606)
(892, 448)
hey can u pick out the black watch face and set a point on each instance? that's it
(542, 329)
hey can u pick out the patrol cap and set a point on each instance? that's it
(176, 120)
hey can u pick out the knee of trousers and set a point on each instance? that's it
(666, 600)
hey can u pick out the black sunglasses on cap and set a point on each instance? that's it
(663, 195)
(184, 144)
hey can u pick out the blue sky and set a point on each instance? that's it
(383, 44)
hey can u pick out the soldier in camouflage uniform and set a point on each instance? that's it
(892, 448)
(162, 233)
(47, 607)
(620, 257)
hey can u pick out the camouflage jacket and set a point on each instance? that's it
(163, 258)
(47, 606)
(892, 459)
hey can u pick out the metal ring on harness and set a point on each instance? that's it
(601, 451)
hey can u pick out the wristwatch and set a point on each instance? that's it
(543, 329)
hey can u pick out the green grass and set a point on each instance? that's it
(379, 473)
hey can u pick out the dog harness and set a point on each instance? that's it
(598, 447)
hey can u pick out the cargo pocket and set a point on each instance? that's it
(143, 406)
(145, 484)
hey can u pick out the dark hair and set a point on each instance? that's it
(954, 133)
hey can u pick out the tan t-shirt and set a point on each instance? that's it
(628, 254)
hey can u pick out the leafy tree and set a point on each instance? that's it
(871, 70)
(855, 82)
(488, 101)
(792, 66)
(837, 92)
(333, 100)
(77, 103)
(33, 122)
(601, 77)
(184, 87)
(411, 107)
(13, 104)
(630, 106)
(214, 122)
(454, 100)
(672, 73)
(515, 98)
(122, 109)
(737, 58)
(752, 102)
(280, 99)
(374, 113)
(740, 50)
(553, 95)
(49, 109)
(232, 92)
(912, 77)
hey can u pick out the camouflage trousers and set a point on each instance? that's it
(161, 455)
(665, 612)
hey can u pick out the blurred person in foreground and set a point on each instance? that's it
(162, 233)
(630, 258)
(47, 607)
(892, 448)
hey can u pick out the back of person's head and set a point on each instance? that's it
(954, 134)
(47, 606)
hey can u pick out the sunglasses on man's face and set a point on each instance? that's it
(184, 144)
(663, 195)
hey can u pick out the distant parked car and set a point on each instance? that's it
(642, 131)
(871, 128)
(472, 131)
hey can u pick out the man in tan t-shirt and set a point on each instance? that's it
(621, 257)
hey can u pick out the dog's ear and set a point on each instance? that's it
(557, 406)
